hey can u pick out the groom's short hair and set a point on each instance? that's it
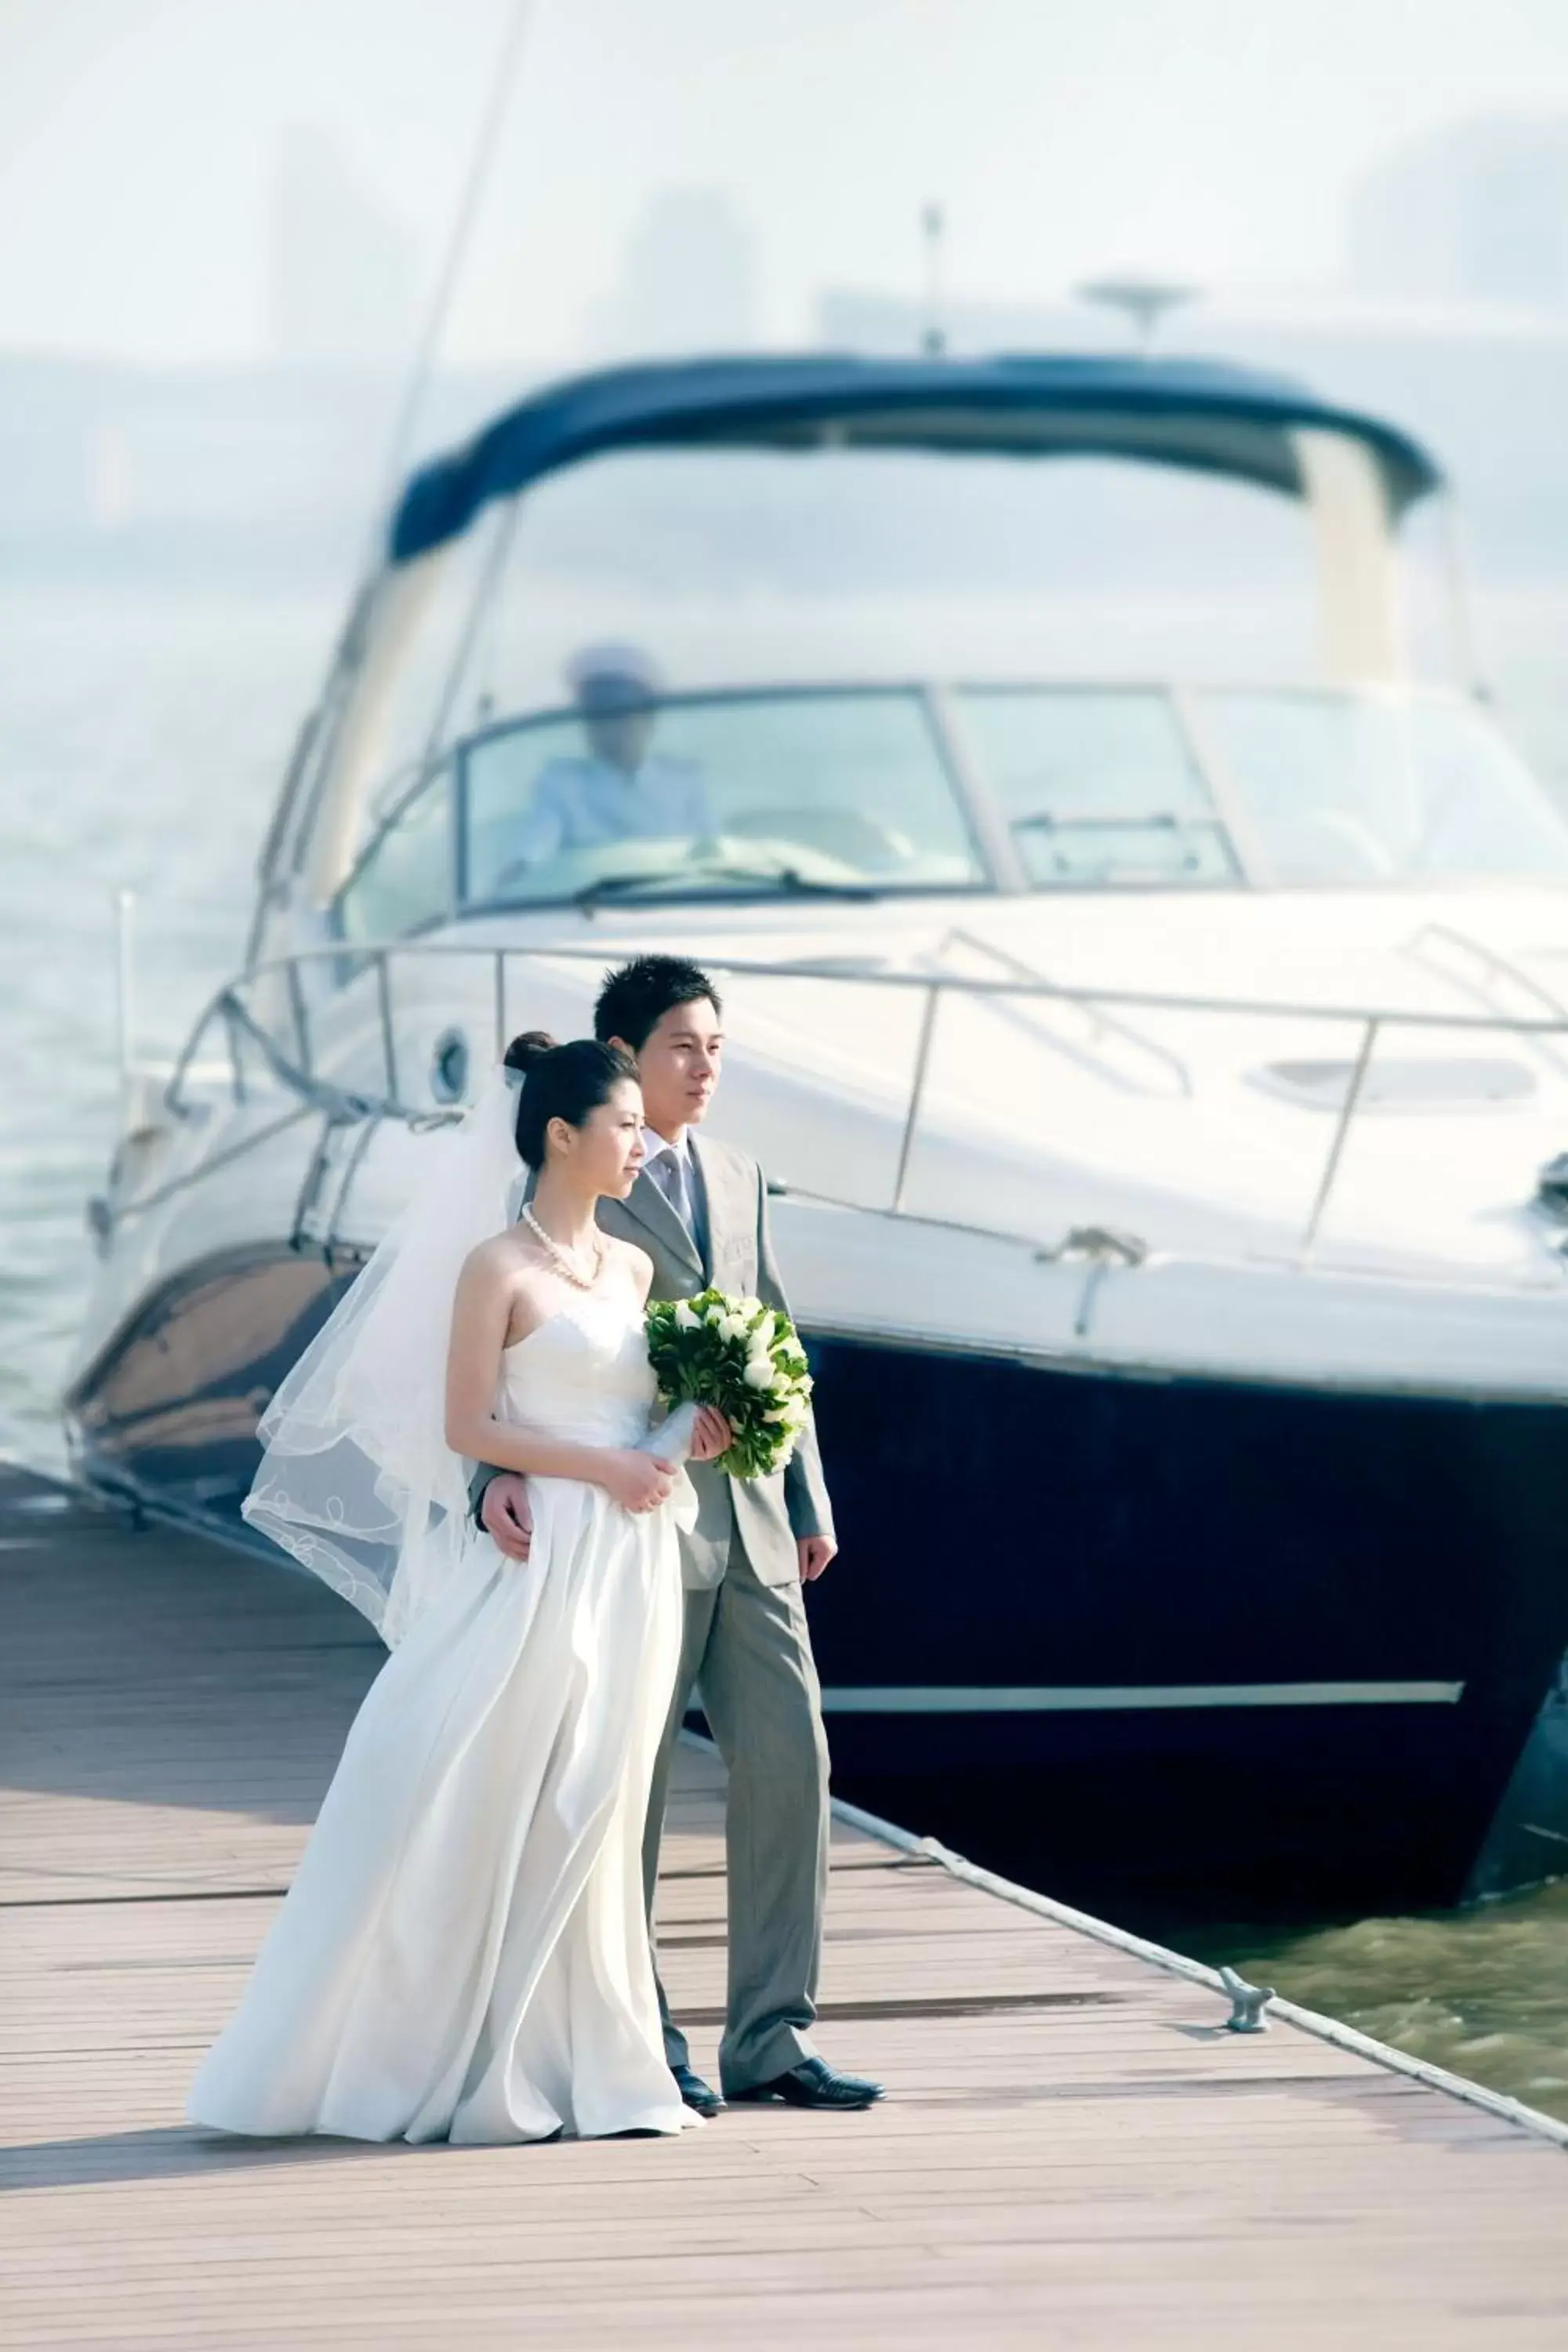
(634, 999)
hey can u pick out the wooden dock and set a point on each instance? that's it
(1073, 2152)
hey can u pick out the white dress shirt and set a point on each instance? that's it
(582, 803)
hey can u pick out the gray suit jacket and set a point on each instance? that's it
(768, 1514)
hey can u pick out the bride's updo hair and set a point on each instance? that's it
(567, 1082)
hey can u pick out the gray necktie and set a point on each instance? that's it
(668, 1170)
(668, 1173)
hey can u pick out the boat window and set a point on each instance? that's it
(748, 571)
(1380, 788)
(402, 882)
(1099, 787)
(824, 792)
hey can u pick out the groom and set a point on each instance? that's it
(699, 1212)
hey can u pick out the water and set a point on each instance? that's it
(1483, 1992)
(142, 738)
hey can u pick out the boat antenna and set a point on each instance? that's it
(423, 360)
(1142, 301)
(933, 228)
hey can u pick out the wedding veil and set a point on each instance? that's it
(357, 1480)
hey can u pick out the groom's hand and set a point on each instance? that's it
(816, 1551)
(505, 1516)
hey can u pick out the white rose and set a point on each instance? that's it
(750, 1307)
(733, 1327)
(685, 1319)
(764, 1330)
(717, 1316)
(758, 1374)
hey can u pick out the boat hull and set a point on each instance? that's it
(1164, 1646)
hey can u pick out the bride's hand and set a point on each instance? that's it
(711, 1434)
(639, 1482)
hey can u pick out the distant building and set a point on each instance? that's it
(221, 473)
(342, 268)
(686, 281)
(1477, 212)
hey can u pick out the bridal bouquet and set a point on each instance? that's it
(741, 1356)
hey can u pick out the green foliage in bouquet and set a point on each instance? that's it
(742, 1357)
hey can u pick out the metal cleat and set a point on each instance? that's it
(1247, 2003)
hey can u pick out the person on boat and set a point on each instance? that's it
(619, 788)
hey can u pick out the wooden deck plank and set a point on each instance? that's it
(1072, 2152)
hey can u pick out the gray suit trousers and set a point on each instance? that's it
(748, 1651)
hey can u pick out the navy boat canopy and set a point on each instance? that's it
(1172, 412)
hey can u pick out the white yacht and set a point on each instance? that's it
(1159, 1062)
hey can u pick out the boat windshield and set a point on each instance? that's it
(830, 793)
(1097, 785)
(1292, 788)
(1346, 789)
(838, 792)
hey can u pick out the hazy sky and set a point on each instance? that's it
(1213, 138)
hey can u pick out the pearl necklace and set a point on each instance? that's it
(565, 1263)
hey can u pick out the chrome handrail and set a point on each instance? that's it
(1499, 967)
(749, 968)
(1342, 1131)
(341, 1105)
(916, 1092)
(1107, 1023)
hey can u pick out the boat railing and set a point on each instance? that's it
(283, 1038)
(1483, 974)
(1088, 1053)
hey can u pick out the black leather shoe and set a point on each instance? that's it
(696, 2093)
(814, 2083)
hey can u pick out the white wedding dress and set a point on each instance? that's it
(463, 1954)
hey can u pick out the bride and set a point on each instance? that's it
(464, 1954)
